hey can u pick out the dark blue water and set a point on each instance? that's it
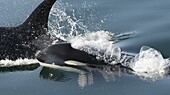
(149, 19)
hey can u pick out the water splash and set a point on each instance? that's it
(62, 25)
(98, 44)
(66, 20)
(149, 64)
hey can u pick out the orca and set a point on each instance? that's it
(24, 40)
(63, 54)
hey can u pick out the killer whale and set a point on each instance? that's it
(24, 40)
(63, 54)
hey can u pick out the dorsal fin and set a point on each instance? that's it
(38, 20)
(24, 40)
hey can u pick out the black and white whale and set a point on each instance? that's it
(63, 55)
(24, 40)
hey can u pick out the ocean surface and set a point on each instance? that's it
(135, 27)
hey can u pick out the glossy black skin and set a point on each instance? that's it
(63, 51)
(24, 40)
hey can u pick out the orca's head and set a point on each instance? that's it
(50, 56)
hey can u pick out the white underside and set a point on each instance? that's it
(65, 68)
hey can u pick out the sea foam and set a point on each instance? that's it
(18, 62)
